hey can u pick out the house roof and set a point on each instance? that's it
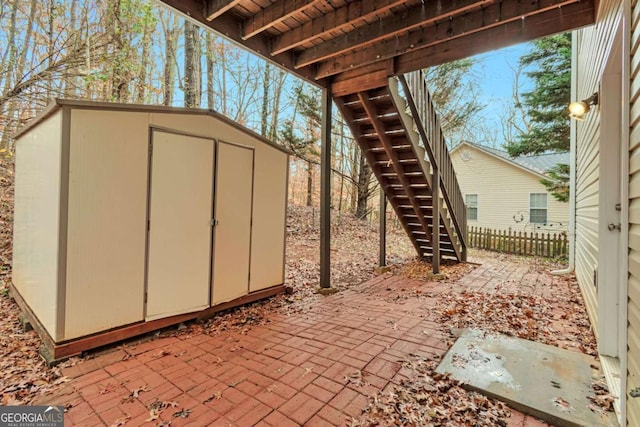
(538, 164)
(327, 41)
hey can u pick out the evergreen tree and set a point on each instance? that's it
(546, 106)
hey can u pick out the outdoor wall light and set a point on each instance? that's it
(578, 109)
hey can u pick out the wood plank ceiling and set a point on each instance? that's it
(329, 41)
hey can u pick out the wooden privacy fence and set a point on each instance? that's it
(519, 243)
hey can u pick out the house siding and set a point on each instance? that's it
(592, 46)
(503, 192)
(633, 310)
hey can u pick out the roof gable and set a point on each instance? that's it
(536, 164)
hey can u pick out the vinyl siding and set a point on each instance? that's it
(503, 193)
(593, 45)
(633, 309)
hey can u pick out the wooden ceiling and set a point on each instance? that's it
(332, 41)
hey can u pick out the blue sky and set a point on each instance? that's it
(497, 80)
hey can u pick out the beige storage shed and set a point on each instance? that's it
(130, 218)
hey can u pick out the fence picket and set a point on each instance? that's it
(520, 243)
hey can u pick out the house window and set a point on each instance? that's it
(538, 208)
(471, 200)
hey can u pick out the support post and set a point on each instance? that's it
(435, 224)
(383, 228)
(325, 192)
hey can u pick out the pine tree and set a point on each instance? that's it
(546, 107)
(546, 104)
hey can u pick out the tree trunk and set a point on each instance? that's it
(275, 110)
(364, 190)
(14, 71)
(144, 59)
(170, 46)
(210, 68)
(192, 71)
(309, 184)
(264, 114)
(119, 77)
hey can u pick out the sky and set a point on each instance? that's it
(496, 88)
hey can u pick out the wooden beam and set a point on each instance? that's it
(508, 14)
(325, 191)
(572, 17)
(272, 15)
(435, 216)
(419, 16)
(231, 28)
(365, 78)
(341, 19)
(382, 261)
(216, 8)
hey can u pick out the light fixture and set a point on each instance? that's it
(578, 109)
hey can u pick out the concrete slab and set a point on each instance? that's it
(544, 381)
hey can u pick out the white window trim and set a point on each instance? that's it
(477, 205)
(547, 209)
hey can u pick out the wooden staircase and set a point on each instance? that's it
(400, 136)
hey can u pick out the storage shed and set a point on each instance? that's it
(130, 218)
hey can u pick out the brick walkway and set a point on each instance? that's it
(289, 372)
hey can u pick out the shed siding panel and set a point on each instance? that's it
(36, 219)
(633, 311)
(501, 206)
(269, 197)
(107, 228)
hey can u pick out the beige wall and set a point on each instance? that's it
(107, 218)
(36, 219)
(503, 192)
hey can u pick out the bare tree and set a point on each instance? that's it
(192, 83)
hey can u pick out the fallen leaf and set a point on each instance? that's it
(121, 421)
(184, 413)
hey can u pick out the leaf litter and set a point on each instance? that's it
(423, 399)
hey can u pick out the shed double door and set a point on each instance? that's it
(199, 225)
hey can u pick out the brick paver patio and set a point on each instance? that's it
(292, 371)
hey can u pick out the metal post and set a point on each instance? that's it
(325, 192)
(383, 228)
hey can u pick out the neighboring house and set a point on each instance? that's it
(605, 205)
(504, 193)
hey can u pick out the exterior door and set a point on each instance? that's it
(233, 212)
(610, 252)
(180, 212)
